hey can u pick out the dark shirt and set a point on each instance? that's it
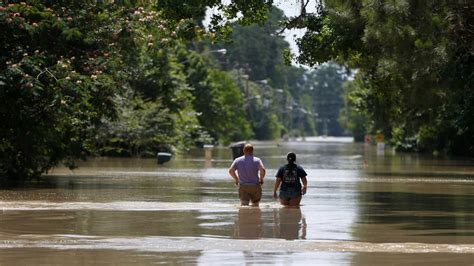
(290, 175)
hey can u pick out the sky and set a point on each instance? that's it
(292, 8)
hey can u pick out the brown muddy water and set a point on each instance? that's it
(362, 208)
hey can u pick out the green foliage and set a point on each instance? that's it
(256, 50)
(113, 78)
(191, 13)
(354, 116)
(277, 97)
(155, 114)
(217, 100)
(61, 69)
(404, 51)
(327, 95)
(140, 128)
(269, 127)
(227, 119)
(158, 113)
(53, 86)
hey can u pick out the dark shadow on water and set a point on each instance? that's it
(462, 233)
(417, 211)
(33, 183)
(64, 183)
(418, 174)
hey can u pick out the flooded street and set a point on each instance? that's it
(362, 208)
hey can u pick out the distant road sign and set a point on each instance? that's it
(379, 138)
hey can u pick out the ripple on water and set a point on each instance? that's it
(171, 244)
(122, 206)
(111, 206)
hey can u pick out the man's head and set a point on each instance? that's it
(248, 149)
(291, 157)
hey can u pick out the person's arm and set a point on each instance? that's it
(275, 187)
(234, 175)
(305, 185)
(262, 172)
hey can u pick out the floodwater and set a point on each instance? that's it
(362, 208)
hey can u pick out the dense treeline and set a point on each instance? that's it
(415, 68)
(92, 78)
(283, 100)
(132, 79)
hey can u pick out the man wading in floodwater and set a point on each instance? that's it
(250, 176)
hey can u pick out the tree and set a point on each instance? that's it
(353, 116)
(404, 52)
(55, 83)
(217, 100)
(327, 97)
(71, 74)
(276, 101)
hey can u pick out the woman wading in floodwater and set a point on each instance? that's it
(288, 176)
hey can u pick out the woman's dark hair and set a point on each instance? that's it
(291, 157)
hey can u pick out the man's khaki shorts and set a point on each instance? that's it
(251, 193)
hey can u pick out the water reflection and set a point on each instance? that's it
(207, 163)
(360, 209)
(249, 223)
(280, 222)
(289, 223)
